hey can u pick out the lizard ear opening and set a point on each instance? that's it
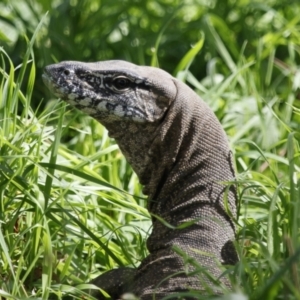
(229, 254)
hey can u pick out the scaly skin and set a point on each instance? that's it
(180, 153)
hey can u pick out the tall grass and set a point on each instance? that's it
(71, 208)
(64, 212)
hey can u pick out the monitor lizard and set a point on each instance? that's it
(178, 149)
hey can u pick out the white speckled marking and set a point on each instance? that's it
(101, 76)
(73, 102)
(88, 110)
(86, 101)
(102, 106)
(72, 96)
(119, 111)
(138, 119)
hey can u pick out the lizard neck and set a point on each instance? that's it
(193, 156)
(182, 162)
(192, 162)
(183, 159)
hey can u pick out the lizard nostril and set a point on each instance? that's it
(66, 72)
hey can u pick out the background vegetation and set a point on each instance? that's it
(70, 206)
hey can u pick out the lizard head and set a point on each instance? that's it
(131, 101)
(112, 91)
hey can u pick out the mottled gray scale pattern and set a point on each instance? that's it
(180, 153)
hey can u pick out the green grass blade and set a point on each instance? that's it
(188, 58)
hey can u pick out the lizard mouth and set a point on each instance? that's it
(56, 86)
(47, 80)
(51, 84)
(47, 77)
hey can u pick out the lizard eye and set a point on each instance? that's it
(121, 83)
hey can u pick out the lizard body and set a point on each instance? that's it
(178, 149)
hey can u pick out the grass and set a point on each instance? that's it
(50, 208)
(71, 207)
